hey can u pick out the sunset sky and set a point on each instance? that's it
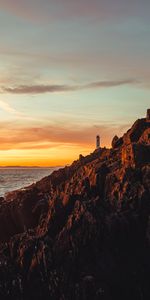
(70, 70)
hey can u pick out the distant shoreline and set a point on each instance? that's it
(29, 167)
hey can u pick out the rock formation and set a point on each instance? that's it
(84, 231)
(136, 144)
(116, 142)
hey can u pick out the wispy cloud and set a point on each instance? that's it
(41, 89)
(105, 84)
(53, 136)
(6, 107)
(46, 10)
(17, 114)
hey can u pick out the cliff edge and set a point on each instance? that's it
(84, 231)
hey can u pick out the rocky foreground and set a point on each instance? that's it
(84, 231)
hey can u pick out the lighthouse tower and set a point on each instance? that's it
(97, 142)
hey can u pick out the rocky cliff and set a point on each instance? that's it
(84, 231)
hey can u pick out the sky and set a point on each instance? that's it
(70, 70)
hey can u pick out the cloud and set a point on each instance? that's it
(38, 89)
(49, 11)
(14, 137)
(103, 84)
(17, 114)
(6, 107)
(41, 89)
(27, 10)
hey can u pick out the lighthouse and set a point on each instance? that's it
(97, 142)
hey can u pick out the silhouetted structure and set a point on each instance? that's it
(97, 142)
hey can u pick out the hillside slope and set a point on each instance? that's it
(84, 231)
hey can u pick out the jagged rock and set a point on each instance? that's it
(136, 144)
(114, 141)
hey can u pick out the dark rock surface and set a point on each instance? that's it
(84, 231)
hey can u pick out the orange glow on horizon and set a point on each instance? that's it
(59, 156)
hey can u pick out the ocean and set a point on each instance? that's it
(16, 178)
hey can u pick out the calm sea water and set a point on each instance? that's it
(16, 178)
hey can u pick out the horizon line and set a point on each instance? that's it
(20, 166)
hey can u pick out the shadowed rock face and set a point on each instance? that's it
(84, 231)
(136, 144)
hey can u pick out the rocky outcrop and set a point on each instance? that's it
(116, 142)
(136, 144)
(84, 231)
